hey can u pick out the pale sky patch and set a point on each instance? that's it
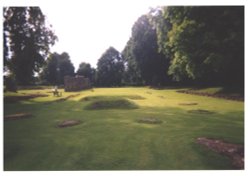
(86, 30)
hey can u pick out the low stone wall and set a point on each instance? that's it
(75, 83)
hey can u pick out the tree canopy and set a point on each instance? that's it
(87, 71)
(142, 54)
(132, 74)
(56, 68)
(110, 68)
(206, 43)
(27, 39)
(186, 44)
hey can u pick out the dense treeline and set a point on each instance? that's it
(110, 68)
(141, 54)
(57, 66)
(169, 45)
(205, 44)
(201, 45)
(27, 39)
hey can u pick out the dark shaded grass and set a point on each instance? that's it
(14, 99)
(17, 116)
(110, 103)
(68, 123)
(201, 111)
(149, 120)
(132, 97)
(188, 104)
(113, 140)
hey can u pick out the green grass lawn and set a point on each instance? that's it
(109, 136)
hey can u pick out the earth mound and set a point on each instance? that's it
(201, 111)
(68, 123)
(14, 99)
(149, 120)
(131, 97)
(135, 97)
(17, 116)
(63, 99)
(111, 104)
(188, 104)
(234, 151)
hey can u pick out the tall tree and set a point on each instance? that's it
(132, 74)
(56, 68)
(207, 43)
(86, 70)
(110, 68)
(27, 39)
(144, 51)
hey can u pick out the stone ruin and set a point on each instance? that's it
(76, 83)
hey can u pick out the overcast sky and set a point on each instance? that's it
(86, 30)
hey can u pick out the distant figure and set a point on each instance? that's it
(56, 92)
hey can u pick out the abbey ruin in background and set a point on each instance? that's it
(76, 83)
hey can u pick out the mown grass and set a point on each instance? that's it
(109, 102)
(112, 138)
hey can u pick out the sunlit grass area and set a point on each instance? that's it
(115, 138)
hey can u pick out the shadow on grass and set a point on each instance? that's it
(107, 134)
(101, 97)
(109, 102)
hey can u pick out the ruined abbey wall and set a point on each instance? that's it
(76, 83)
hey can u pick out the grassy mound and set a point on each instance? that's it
(131, 97)
(66, 98)
(201, 111)
(134, 97)
(188, 104)
(233, 93)
(149, 120)
(234, 151)
(103, 102)
(162, 97)
(17, 116)
(17, 98)
(113, 139)
(68, 123)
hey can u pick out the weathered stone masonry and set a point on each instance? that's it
(75, 83)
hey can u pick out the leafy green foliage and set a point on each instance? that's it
(86, 71)
(206, 43)
(57, 66)
(132, 74)
(110, 68)
(26, 42)
(141, 54)
(10, 83)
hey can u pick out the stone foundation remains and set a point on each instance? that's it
(76, 83)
